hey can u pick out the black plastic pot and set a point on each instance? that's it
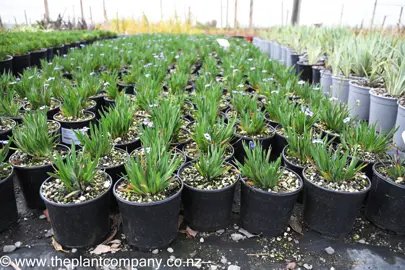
(68, 128)
(49, 54)
(64, 49)
(207, 210)
(31, 179)
(37, 56)
(304, 71)
(21, 62)
(80, 225)
(6, 65)
(331, 212)
(129, 147)
(8, 213)
(386, 202)
(129, 88)
(316, 75)
(238, 144)
(58, 50)
(108, 102)
(264, 212)
(8, 133)
(180, 145)
(93, 109)
(150, 225)
(271, 122)
(294, 59)
(50, 113)
(278, 145)
(56, 132)
(100, 104)
(295, 168)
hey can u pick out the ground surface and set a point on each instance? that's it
(367, 247)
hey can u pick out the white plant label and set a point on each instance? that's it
(68, 135)
(403, 136)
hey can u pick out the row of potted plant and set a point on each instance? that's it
(19, 50)
(361, 69)
(187, 119)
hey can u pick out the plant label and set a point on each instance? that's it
(68, 135)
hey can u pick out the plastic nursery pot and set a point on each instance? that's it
(37, 56)
(294, 60)
(326, 81)
(383, 111)
(49, 54)
(99, 104)
(271, 122)
(240, 154)
(266, 212)
(207, 210)
(129, 88)
(79, 225)
(93, 109)
(359, 101)
(107, 102)
(58, 51)
(7, 133)
(331, 212)
(386, 202)
(50, 113)
(150, 225)
(21, 62)
(400, 123)
(68, 128)
(31, 179)
(304, 71)
(8, 213)
(316, 74)
(180, 145)
(6, 64)
(340, 88)
(295, 168)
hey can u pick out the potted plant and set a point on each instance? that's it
(310, 62)
(148, 196)
(266, 187)
(10, 106)
(384, 101)
(21, 58)
(341, 67)
(6, 62)
(6, 128)
(209, 185)
(119, 121)
(386, 196)
(334, 189)
(251, 126)
(112, 91)
(72, 117)
(98, 143)
(9, 214)
(77, 196)
(369, 145)
(37, 53)
(32, 160)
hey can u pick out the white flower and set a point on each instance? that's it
(250, 59)
(102, 54)
(42, 107)
(147, 123)
(92, 73)
(347, 119)
(315, 88)
(235, 70)
(207, 85)
(72, 59)
(106, 83)
(147, 149)
(153, 105)
(317, 141)
(301, 82)
(308, 112)
(252, 68)
(30, 77)
(274, 92)
(147, 75)
(177, 56)
(13, 83)
(84, 129)
(241, 85)
(358, 102)
(4, 142)
(333, 99)
(50, 79)
(207, 136)
(46, 85)
(264, 71)
(264, 80)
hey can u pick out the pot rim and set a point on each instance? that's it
(5, 179)
(399, 105)
(381, 97)
(341, 78)
(22, 55)
(50, 110)
(7, 58)
(39, 51)
(285, 159)
(351, 83)
(37, 167)
(386, 179)
(74, 204)
(148, 204)
(59, 125)
(226, 159)
(14, 125)
(76, 122)
(204, 190)
(255, 189)
(336, 191)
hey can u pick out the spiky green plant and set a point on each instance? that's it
(72, 106)
(151, 173)
(365, 137)
(4, 165)
(97, 142)
(76, 171)
(167, 117)
(9, 104)
(257, 167)
(333, 165)
(335, 116)
(298, 118)
(32, 137)
(299, 144)
(252, 122)
(211, 165)
(177, 82)
(396, 168)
